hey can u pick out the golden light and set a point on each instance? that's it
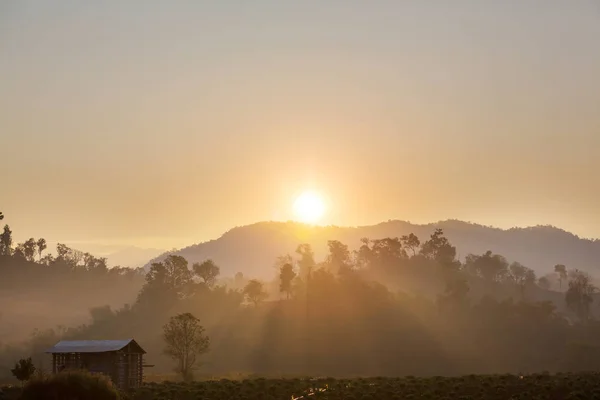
(309, 207)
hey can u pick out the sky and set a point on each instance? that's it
(162, 124)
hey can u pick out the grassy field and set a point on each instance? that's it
(494, 387)
(584, 386)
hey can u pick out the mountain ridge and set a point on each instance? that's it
(252, 249)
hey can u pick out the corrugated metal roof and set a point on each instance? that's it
(88, 346)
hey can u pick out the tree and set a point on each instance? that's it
(411, 242)
(491, 267)
(1, 216)
(6, 241)
(166, 281)
(286, 276)
(208, 271)
(23, 370)
(29, 249)
(338, 259)
(307, 259)
(561, 271)
(522, 277)
(544, 283)
(579, 295)
(254, 292)
(41, 246)
(185, 340)
(438, 248)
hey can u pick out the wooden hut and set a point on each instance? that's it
(120, 360)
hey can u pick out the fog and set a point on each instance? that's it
(393, 306)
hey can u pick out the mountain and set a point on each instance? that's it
(119, 255)
(131, 256)
(252, 249)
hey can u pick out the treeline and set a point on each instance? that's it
(347, 316)
(42, 290)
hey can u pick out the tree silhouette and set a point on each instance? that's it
(544, 283)
(561, 270)
(307, 259)
(29, 249)
(522, 277)
(41, 246)
(208, 271)
(185, 340)
(255, 292)
(579, 295)
(338, 259)
(23, 370)
(439, 249)
(286, 276)
(411, 242)
(6, 241)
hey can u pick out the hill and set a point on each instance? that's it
(252, 249)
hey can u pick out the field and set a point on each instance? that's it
(583, 386)
(494, 387)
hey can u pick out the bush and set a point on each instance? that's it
(72, 385)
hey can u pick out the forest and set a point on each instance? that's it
(342, 316)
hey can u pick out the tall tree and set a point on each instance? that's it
(286, 276)
(338, 259)
(29, 249)
(561, 271)
(185, 342)
(579, 295)
(307, 259)
(438, 248)
(41, 246)
(254, 292)
(208, 271)
(522, 277)
(6, 241)
(411, 242)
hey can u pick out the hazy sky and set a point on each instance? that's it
(162, 123)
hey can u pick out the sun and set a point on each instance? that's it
(309, 207)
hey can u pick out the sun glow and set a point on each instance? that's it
(309, 207)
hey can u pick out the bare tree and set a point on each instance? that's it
(185, 341)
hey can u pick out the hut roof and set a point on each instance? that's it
(91, 346)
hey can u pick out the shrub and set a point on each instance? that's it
(71, 385)
(23, 370)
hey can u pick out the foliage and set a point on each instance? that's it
(24, 369)
(286, 276)
(561, 271)
(75, 385)
(255, 292)
(579, 295)
(185, 340)
(208, 271)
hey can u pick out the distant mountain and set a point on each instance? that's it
(133, 257)
(119, 255)
(252, 249)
